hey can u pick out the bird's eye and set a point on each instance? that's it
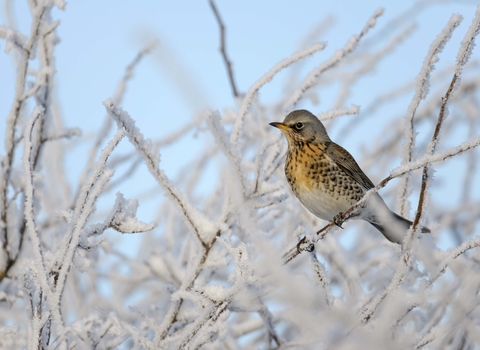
(299, 126)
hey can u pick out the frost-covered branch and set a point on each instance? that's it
(421, 91)
(204, 267)
(350, 46)
(117, 98)
(200, 225)
(250, 95)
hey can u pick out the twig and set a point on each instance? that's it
(402, 269)
(107, 124)
(12, 120)
(250, 95)
(267, 318)
(210, 316)
(151, 158)
(226, 60)
(30, 219)
(463, 56)
(322, 277)
(421, 92)
(455, 253)
(349, 47)
(83, 209)
(433, 143)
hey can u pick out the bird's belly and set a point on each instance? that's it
(321, 203)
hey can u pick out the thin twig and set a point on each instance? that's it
(223, 50)
(340, 54)
(107, 124)
(421, 92)
(12, 120)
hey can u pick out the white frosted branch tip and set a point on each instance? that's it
(468, 42)
(354, 109)
(250, 95)
(313, 76)
(379, 11)
(123, 217)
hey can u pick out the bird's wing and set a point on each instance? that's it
(347, 163)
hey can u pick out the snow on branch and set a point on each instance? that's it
(468, 43)
(353, 110)
(202, 227)
(406, 260)
(452, 255)
(211, 274)
(350, 46)
(13, 38)
(464, 54)
(117, 98)
(12, 118)
(122, 218)
(250, 95)
(29, 198)
(423, 83)
(84, 207)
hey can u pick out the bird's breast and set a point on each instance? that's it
(321, 186)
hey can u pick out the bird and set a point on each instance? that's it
(328, 181)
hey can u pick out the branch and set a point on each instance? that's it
(30, 220)
(323, 280)
(227, 62)
(117, 98)
(421, 92)
(29, 199)
(83, 208)
(247, 101)
(12, 121)
(349, 47)
(454, 253)
(462, 58)
(199, 224)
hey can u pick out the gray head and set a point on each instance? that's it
(302, 125)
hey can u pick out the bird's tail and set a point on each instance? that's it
(394, 227)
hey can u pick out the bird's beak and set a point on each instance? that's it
(279, 125)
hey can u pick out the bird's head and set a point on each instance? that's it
(301, 125)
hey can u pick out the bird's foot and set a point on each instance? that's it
(338, 220)
(309, 248)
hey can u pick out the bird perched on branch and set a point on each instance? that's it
(327, 179)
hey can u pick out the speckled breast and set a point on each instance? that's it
(318, 182)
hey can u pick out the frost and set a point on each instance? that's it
(349, 47)
(468, 42)
(203, 227)
(123, 217)
(233, 260)
(421, 91)
(13, 38)
(354, 109)
(248, 99)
